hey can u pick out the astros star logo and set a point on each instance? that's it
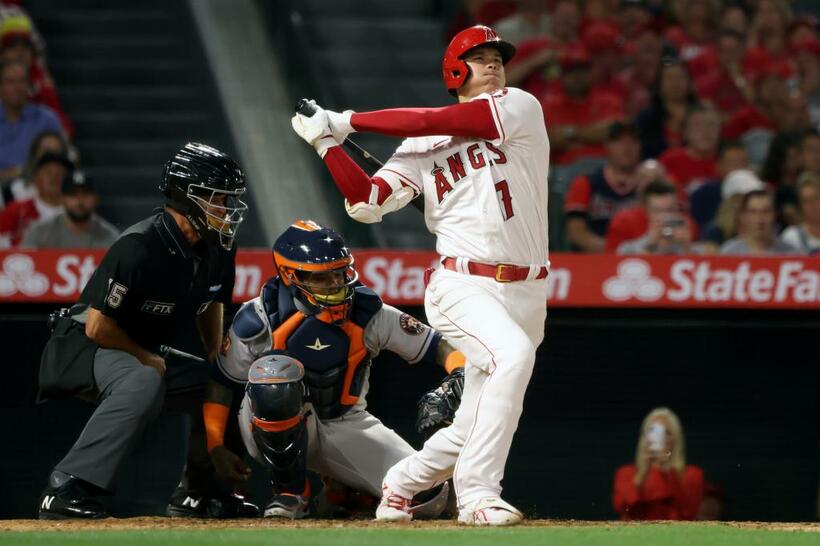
(317, 345)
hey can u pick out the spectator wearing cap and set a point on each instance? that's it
(17, 45)
(724, 226)
(692, 165)
(705, 200)
(579, 117)
(592, 200)
(47, 178)
(20, 189)
(805, 237)
(756, 228)
(78, 226)
(724, 84)
(604, 43)
(668, 230)
(20, 121)
(662, 122)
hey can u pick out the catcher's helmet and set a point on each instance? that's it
(205, 184)
(315, 264)
(455, 69)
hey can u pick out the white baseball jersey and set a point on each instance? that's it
(485, 201)
(388, 329)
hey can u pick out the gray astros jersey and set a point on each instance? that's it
(336, 357)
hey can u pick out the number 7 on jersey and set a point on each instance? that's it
(503, 191)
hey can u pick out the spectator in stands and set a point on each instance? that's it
(17, 45)
(694, 38)
(767, 32)
(78, 226)
(643, 55)
(735, 185)
(724, 85)
(535, 66)
(633, 18)
(662, 122)
(47, 178)
(668, 231)
(805, 237)
(805, 28)
(760, 118)
(690, 166)
(807, 61)
(734, 18)
(530, 20)
(631, 223)
(579, 117)
(783, 165)
(705, 199)
(810, 150)
(593, 200)
(602, 40)
(19, 189)
(756, 228)
(659, 485)
(20, 121)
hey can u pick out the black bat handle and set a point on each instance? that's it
(305, 108)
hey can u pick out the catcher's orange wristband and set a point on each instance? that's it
(454, 360)
(216, 420)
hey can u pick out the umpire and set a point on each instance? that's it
(163, 272)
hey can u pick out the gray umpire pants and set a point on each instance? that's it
(129, 397)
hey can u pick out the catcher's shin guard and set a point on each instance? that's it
(276, 395)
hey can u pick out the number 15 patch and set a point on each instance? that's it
(115, 295)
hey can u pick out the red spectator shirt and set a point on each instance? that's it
(661, 496)
(16, 217)
(746, 119)
(687, 171)
(561, 111)
(44, 92)
(719, 88)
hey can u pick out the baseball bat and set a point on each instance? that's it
(305, 108)
(166, 351)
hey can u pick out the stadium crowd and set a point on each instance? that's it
(715, 101)
(45, 200)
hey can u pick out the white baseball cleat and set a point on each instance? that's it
(393, 507)
(287, 506)
(490, 511)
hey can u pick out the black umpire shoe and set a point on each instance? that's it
(190, 504)
(67, 497)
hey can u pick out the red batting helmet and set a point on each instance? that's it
(455, 69)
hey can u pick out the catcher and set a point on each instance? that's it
(299, 356)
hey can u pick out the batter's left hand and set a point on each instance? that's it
(315, 130)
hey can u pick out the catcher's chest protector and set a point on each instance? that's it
(334, 356)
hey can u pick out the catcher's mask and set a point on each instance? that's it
(316, 265)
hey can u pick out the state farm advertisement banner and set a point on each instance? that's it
(575, 280)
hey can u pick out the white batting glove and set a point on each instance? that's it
(315, 130)
(340, 124)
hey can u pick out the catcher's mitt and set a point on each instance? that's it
(437, 408)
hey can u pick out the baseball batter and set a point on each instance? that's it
(482, 167)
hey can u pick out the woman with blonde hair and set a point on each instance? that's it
(660, 485)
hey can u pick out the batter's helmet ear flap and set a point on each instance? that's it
(454, 69)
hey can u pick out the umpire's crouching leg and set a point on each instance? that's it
(130, 397)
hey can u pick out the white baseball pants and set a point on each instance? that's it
(498, 327)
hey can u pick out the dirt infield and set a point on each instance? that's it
(130, 524)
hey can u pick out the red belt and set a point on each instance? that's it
(499, 272)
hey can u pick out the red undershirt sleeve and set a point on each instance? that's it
(351, 180)
(472, 119)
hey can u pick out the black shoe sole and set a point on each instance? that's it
(172, 512)
(55, 516)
